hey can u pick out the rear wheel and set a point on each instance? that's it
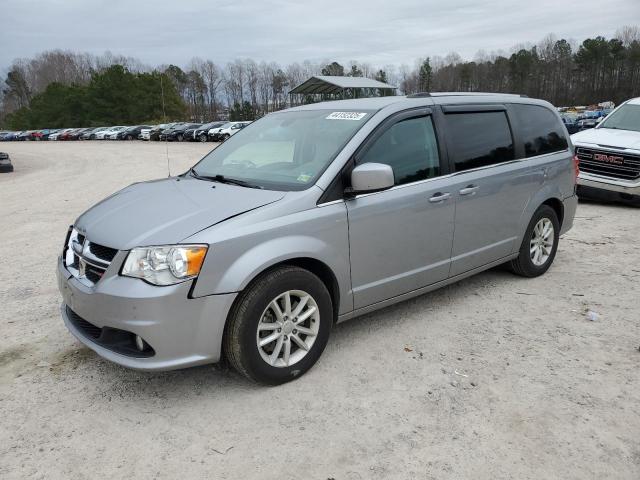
(180, 137)
(539, 245)
(279, 326)
(129, 137)
(202, 138)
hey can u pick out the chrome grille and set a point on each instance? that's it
(618, 165)
(85, 260)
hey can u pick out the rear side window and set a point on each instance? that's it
(410, 148)
(540, 130)
(479, 139)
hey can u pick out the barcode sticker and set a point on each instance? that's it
(346, 116)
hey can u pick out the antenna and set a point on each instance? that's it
(164, 118)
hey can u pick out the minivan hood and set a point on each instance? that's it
(167, 211)
(608, 137)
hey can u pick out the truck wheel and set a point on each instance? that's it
(539, 245)
(279, 326)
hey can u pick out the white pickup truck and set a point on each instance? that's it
(610, 155)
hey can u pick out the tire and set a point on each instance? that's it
(129, 137)
(526, 264)
(202, 138)
(254, 307)
(180, 137)
(225, 137)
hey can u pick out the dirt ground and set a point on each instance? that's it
(495, 377)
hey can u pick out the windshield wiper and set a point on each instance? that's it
(222, 179)
(195, 174)
(234, 181)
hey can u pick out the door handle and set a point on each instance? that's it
(469, 190)
(439, 197)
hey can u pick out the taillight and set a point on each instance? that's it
(576, 166)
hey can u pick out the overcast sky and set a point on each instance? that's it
(380, 32)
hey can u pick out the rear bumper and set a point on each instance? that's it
(181, 331)
(570, 204)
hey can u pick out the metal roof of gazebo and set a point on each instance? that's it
(323, 84)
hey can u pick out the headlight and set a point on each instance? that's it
(165, 265)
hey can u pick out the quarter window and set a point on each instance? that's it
(540, 130)
(479, 139)
(410, 148)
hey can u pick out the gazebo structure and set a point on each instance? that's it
(333, 87)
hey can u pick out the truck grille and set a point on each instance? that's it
(85, 260)
(618, 165)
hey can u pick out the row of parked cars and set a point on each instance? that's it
(578, 121)
(176, 131)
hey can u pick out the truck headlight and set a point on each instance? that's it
(166, 265)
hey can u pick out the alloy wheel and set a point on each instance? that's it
(541, 244)
(288, 328)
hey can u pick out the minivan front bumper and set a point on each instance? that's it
(181, 331)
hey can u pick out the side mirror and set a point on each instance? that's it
(371, 177)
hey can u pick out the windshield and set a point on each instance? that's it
(284, 151)
(627, 117)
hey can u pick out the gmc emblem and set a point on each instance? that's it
(602, 157)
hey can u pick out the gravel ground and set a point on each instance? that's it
(494, 377)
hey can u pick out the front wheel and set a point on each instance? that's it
(202, 138)
(180, 137)
(539, 245)
(225, 137)
(279, 326)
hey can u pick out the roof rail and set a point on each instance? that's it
(419, 95)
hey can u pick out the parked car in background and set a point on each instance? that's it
(106, 133)
(319, 214)
(91, 133)
(77, 133)
(24, 135)
(56, 135)
(610, 156)
(47, 132)
(5, 163)
(34, 135)
(70, 134)
(114, 131)
(176, 132)
(154, 133)
(200, 134)
(130, 133)
(144, 132)
(187, 134)
(586, 123)
(227, 130)
(570, 121)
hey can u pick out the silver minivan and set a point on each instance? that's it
(312, 216)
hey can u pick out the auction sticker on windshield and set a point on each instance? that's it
(346, 116)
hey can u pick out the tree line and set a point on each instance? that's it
(61, 88)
